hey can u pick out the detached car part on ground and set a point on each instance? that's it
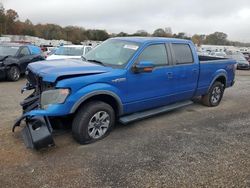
(14, 59)
(122, 79)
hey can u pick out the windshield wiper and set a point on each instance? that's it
(95, 61)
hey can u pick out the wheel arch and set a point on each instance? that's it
(222, 77)
(106, 96)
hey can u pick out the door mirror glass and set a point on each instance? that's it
(143, 66)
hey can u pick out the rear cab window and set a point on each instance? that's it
(182, 54)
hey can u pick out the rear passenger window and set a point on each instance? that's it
(156, 54)
(183, 53)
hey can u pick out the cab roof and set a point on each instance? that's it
(151, 39)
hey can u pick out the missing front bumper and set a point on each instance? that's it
(37, 133)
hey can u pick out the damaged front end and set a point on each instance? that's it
(37, 133)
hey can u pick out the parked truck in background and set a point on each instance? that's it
(123, 79)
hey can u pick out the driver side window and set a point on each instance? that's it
(25, 51)
(156, 54)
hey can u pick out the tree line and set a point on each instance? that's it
(10, 24)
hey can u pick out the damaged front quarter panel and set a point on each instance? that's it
(37, 133)
(43, 77)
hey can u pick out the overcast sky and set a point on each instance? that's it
(190, 16)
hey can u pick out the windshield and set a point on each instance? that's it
(8, 50)
(69, 51)
(113, 52)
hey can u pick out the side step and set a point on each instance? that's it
(149, 113)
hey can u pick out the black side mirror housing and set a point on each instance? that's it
(143, 66)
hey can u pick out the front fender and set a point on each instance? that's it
(11, 61)
(96, 89)
(76, 99)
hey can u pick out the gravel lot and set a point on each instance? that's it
(195, 146)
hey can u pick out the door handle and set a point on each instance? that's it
(195, 71)
(170, 75)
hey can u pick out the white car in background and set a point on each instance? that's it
(218, 54)
(69, 52)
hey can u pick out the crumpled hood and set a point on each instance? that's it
(3, 57)
(53, 57)
(52, 70)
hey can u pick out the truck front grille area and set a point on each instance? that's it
(32, 101)
(34, 83)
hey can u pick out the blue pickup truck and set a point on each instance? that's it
(123, 79)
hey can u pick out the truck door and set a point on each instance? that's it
(185, 71)
(24, 58)
(149, 89)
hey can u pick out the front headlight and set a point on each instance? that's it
(55, 96)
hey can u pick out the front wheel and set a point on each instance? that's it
(13, 74)
(214, 96)
(93, 122)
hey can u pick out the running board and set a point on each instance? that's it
(152, 112)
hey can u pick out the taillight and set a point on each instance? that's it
(235, 67)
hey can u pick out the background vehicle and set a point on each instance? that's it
(52, 51)
(14, 58)
(247, 56)
(241, 61)
(218, 54)
(70, 51)
(122, 79)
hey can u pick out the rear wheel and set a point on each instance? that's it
(214, 96)
(13, 74)
(93, 122)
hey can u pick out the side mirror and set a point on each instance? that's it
(21, 55)
(143, 66)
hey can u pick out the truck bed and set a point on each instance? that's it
(209, 58)
(209, 66)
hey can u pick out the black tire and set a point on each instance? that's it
(83, 121)
(214, 96)
(13, 74)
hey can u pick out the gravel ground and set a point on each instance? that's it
(195, 146)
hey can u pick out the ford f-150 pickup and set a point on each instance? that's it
(123, 79)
